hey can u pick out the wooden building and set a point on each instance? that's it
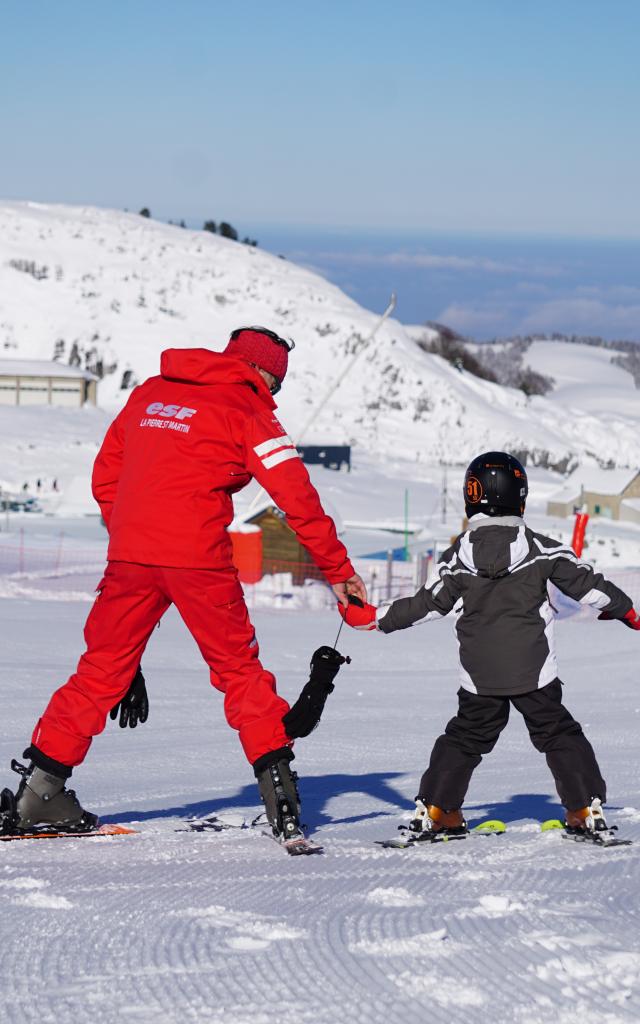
(281, 549)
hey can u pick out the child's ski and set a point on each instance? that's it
(409, 839)
(600, 837)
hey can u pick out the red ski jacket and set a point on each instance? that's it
(182, 445)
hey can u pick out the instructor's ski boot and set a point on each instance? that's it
(431, 824)
(279, 792)
(42, 805)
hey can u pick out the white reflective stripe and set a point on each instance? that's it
(549, 670)
(466, 682)
(547, 558)
(596, 598)
(558, 548)
(274, 460)
(466, 552)
(274, 442)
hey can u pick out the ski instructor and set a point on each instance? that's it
(185, 442)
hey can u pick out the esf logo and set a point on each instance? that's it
(176, 412)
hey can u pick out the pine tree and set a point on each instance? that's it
(227, 231)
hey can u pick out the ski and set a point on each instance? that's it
(601, 837)
(101, 832)
(485, 828)
(216, 823)
(298, 846)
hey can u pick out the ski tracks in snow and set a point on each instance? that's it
(224, 928)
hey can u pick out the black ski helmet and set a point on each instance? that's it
(495, 483)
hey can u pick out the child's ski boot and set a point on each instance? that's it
(42, 805)
(588, 824)
(431, 824)
(279, 792)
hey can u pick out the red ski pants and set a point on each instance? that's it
(131, 601)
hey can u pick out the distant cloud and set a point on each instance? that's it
(420, 260)
(531, 288)
(611, 293)
(431, 261)
(583, 315)
(571, 314)
(474, 320)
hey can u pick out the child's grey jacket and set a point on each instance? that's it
(494, 578)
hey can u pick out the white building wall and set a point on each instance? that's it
(65, 392)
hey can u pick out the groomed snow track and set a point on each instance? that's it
(225, 928)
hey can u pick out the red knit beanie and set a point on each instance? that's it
(254, 346)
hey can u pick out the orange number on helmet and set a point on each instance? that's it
(474, 490)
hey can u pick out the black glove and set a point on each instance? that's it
(325, 665)
(306, 713)
(134, 706)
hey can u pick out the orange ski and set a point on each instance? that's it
(103, 830)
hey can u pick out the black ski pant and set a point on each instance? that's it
(475, 729)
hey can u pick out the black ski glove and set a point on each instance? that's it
(306, 713)
(325, 665)
(134, 706)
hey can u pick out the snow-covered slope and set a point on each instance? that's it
(223, 928)
(118, 288)
(585, 378)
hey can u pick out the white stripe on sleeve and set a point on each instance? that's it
(274, 442)
(282, 456)
(596, 598)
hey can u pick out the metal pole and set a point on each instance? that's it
(335, 385)
(389, 574)
(338, 381)
(444, 494)
(406, 524)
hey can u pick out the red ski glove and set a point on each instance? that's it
(358, 614)
(631, 619)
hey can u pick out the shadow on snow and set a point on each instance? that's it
(539, 806)
(318, 790)
(315, 790)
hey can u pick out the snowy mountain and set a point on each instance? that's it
(112, 289)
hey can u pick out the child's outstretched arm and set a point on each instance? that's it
(432, 601)
(581, 582)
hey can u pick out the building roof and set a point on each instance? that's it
(42, 368)
(596, 480)
(246, 513)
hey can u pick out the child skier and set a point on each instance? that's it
(494, 578)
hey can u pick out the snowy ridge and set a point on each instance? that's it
(115, 289)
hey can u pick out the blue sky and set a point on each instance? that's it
(486, 116)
